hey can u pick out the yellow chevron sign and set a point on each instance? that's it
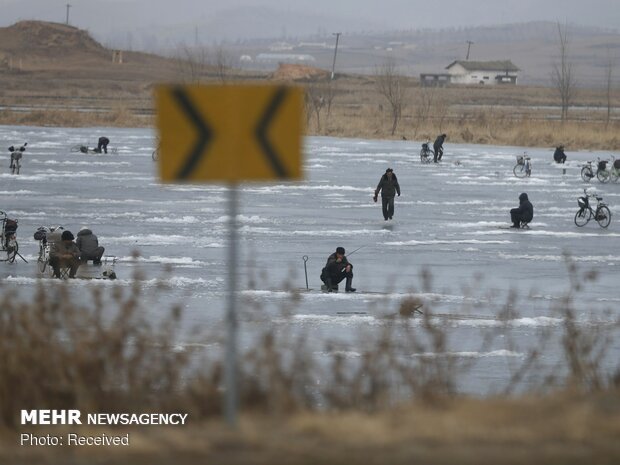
(229, 133)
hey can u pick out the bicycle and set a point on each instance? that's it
(602, 215)
(426, 154)
(523, 167)
(16, 157)
(8, 240)
(602, 174)
(605, 175)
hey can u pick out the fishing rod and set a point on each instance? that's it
(361, 247)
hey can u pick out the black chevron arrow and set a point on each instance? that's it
(205, 134)
(261, 132)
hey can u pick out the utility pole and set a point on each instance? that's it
(469, 42)
(68, 6)
(337, 34)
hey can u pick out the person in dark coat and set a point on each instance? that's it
(89, 247)
(336, 269)
(65, 254)
(388, 186)
(102, 145)
(438, 147)
(523, 214)
(559, 156)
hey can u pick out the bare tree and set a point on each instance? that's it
(391, 86)
(192, 64)
(222, 64)
(562, 75)
(423, 103)
(315, 102)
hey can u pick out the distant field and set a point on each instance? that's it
(56, 75)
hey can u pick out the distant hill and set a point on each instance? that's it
(48, 42)
(39, 46)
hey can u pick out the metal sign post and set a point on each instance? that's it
(230, 133)
(230, 368)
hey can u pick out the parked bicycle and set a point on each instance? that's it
(605, 174)
(8, 241)
(601, 214)
(16, 157)
(426, 154)
(602, 173)
(523, 167)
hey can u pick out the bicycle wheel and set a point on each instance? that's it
(602, 175)
(75, 148)
(42, 260)
(586, 173)
(603, 216)
(614, 175)
(519, 171)
(582, 217)
(155, 155)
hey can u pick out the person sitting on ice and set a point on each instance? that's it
(523, 214)
(336, 269)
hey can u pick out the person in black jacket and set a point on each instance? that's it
(523, 214)
(559, 156)
(102, 144)
(438, 147)
(388, 185)
(336, 269)
(88, 243)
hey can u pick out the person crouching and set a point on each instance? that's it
(89, 247)
(336, 269)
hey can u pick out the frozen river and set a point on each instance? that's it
(448, 243)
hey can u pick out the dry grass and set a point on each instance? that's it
(507, 115)
(383, 407)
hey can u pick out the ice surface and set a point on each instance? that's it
(451, 221)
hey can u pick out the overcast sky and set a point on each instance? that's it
(230, 19)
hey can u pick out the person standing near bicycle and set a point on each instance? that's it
(65, 254)
(389, 187)
(102, 144)
(559, 156)
(438, 147)
(524, 213)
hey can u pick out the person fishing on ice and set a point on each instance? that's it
(337, 269)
